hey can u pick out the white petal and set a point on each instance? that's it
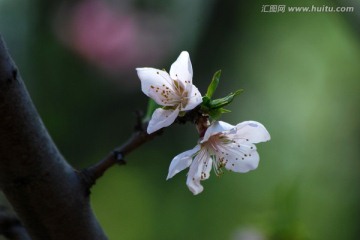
(162, 118)
(194, 98)
(193, 180)
(238, 157)
(243, 163)
(181, 69)
(199, 170)
(217, 127)
(205, 174)
(253, 132)
(157, 85)
(182, 161)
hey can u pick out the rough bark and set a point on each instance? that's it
(11, 227)
(48, 195)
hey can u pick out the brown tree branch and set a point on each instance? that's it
(47, 194)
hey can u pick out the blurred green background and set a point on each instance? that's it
(301, 75)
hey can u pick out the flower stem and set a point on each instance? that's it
(90, 174)
(202, 123)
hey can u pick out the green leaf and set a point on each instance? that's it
(152, 106)
(205, 101)
(217, 112)
(205, 105)
(213, 85)
(223, 110)
(221, 102)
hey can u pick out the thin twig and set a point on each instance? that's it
(138, 138)
(92, 173)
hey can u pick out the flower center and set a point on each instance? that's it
(213, 146)
(182, 93)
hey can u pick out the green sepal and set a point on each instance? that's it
(168, 107)
(152, 106)
(213, 85)
(182, 113)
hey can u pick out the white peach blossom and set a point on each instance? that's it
(174, 91)
(223, 145)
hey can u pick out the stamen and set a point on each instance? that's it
(217, 166)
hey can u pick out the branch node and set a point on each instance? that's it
(88, 179)
(119, 156)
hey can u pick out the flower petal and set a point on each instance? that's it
(207, 164)
(181, 69)
(162, 118)
(199, 170)
(238, 156)
(253, 132)
(243, 163)
(194, 97)
(193, 179)
(216, 127)
(182, 161)
(157, 85)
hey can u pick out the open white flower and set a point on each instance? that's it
(223, 145)
(175, 91)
